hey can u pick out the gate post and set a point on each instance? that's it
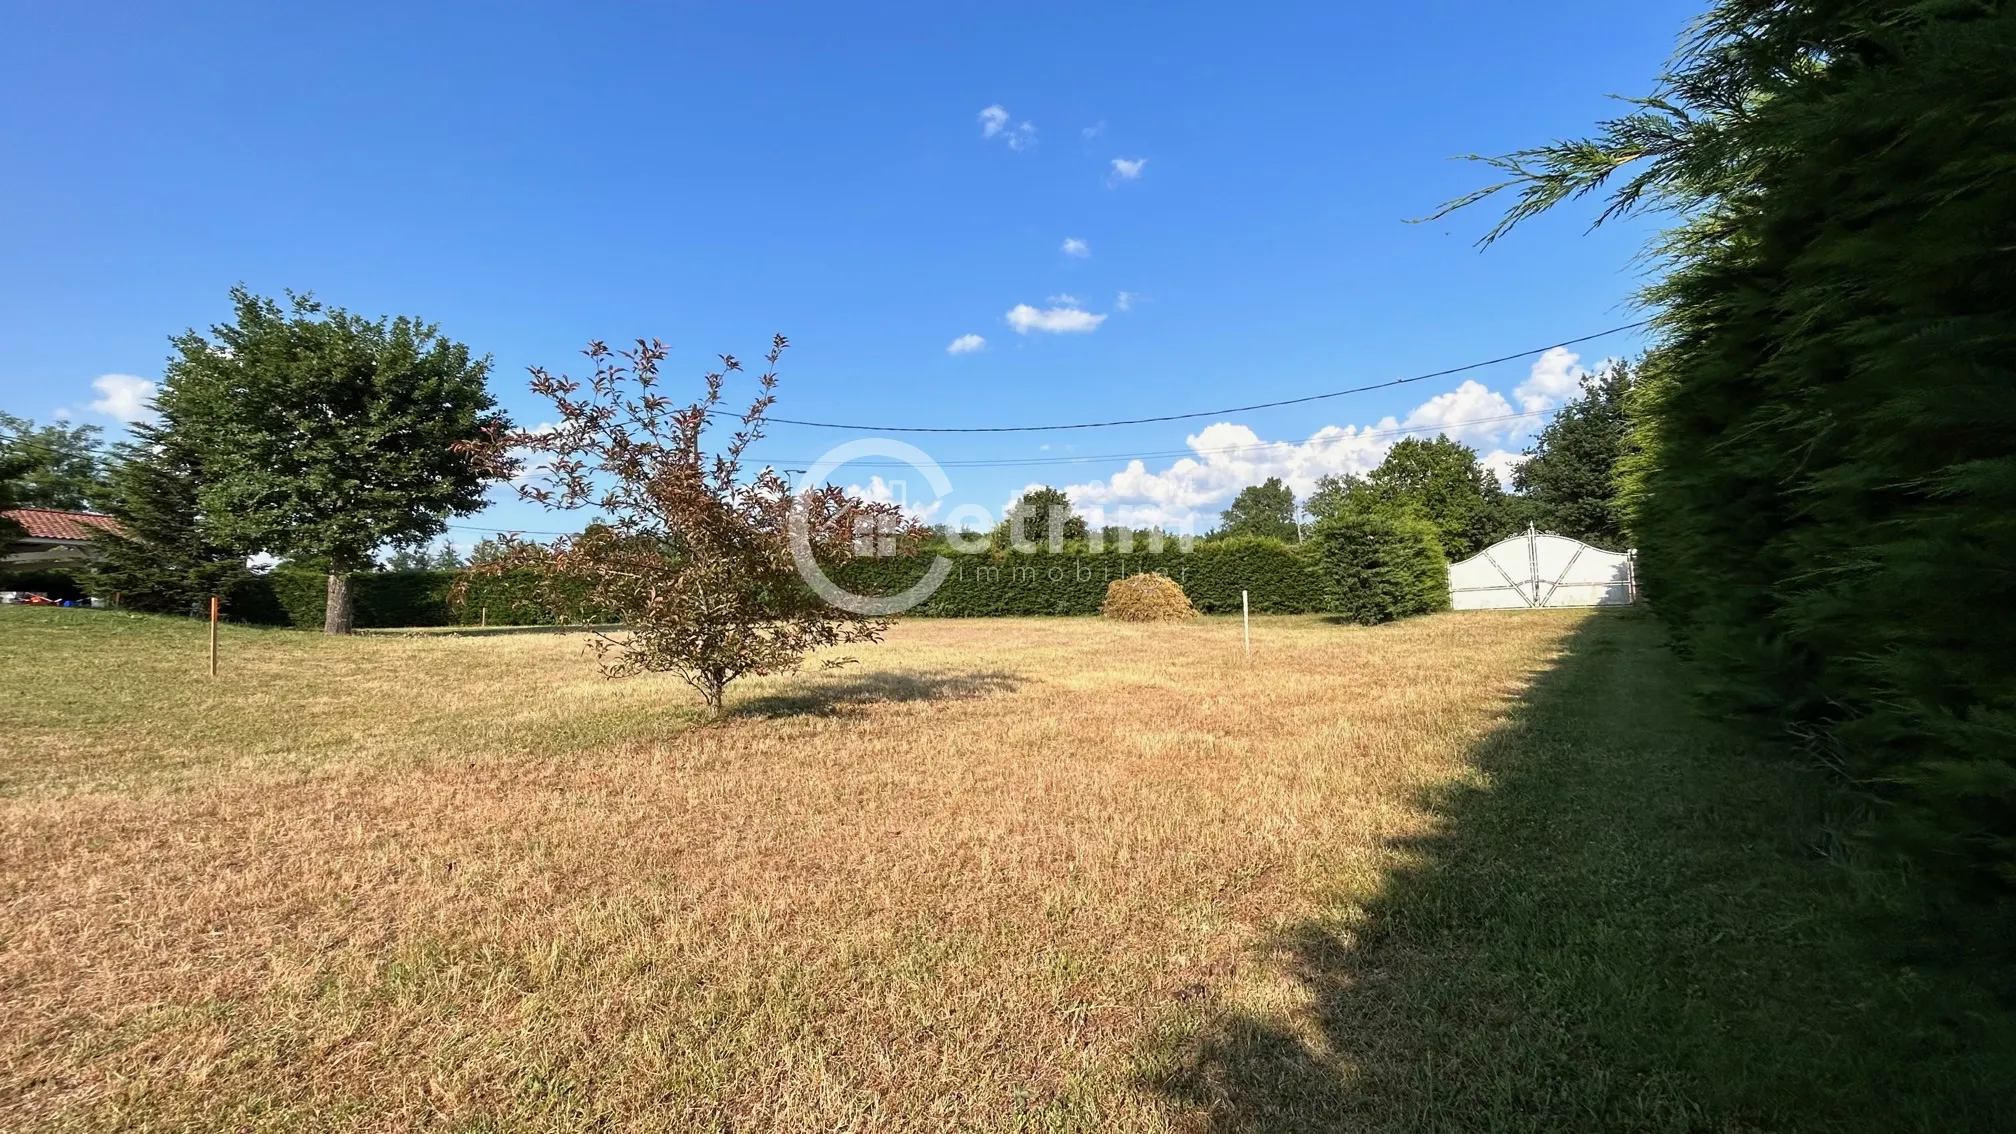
(1533, 562)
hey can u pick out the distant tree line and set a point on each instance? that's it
(1567, 483)
(1381, 542)
(51, 466)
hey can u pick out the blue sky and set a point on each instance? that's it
(877, 183)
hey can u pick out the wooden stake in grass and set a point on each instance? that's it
(213, 635)
(1246, 616)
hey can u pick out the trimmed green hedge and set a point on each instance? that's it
(292, 597)
(1279, 578)
(515, 598)
(1378, 568)
(1823, 487)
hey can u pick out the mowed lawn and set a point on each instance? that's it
(1480, 870)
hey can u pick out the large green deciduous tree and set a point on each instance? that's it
(1265, 509)
(1045, 519)
(325, 435)
(56, 466)
(1334, 495)
(1439, 481)
(1569, 477)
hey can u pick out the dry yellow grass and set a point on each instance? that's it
(979, 881)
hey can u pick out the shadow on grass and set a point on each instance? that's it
(1621, 924)
(477, 631)
(826, 695)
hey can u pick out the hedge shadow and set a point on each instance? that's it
(1626, 923)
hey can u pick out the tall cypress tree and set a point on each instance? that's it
(167, 559)
(1823, 487)
(12, 469)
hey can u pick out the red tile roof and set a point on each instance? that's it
(47, 523)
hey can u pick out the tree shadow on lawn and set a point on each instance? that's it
(828, 695)
(500, 631)
(1625, 923)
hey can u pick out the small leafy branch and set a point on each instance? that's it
(690, 552)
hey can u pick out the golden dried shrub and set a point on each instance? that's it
(1146, 598)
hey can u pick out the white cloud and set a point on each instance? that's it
(1555, 378)
(1225, 457)
(1053, 320)
(122, 396)
(1125, 301)
(896, 492)
(1501, 462)
(1076, 247)
(994, 124)
(1128, 169)
(966, 344)
(1067, 300)
(1228, 457)
(1094, 130)
(1465, 413)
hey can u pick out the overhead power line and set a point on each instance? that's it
(1067, 459)
(1033, 461)
(1059, 460)
(1206, 413)
(1261, 446)
(502, 531)
(1144, 420)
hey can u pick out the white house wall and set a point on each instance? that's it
(32, 552)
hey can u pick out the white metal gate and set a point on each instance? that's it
(1539, 569)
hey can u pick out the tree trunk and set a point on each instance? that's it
(336, 616)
